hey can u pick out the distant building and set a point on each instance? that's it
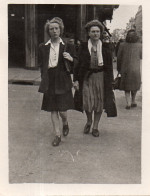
(131, 24)
(26, 26)
(138, 22)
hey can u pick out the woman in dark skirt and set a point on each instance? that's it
(93, 78)
(55, 57)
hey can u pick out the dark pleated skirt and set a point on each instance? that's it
(56, 102)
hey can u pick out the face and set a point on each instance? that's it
(106, 40)
(71, 41)
(94, 33)
(54, 30)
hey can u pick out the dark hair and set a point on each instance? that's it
(131, 36)
(55, 20)
(94, 23)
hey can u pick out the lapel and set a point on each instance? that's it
(87, 53)
(47, 49)
(61, 50)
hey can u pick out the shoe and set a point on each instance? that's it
(65, 130)
(95, 132)
(133, 105)
(87, 129)
(56, 140)
(127, 107)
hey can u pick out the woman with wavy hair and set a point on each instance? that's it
(128, 65)
(93, 77)
(56, 81)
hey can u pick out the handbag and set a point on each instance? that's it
(117, 81)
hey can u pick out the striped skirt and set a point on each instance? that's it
(93, 93)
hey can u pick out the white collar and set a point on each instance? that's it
(50, 42)
(99, 51)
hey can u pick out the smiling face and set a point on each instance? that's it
(94, 33)
(54, 30)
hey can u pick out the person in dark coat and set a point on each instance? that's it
(93, 77)
(128, 65)
(117, 45)
(56, 84)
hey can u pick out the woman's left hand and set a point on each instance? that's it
(68, 56)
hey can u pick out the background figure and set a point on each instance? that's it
(56, 82)
(93, 75)
(107, 39)
(117, 45)
(71, 41)
(77, 45)
(128, 65)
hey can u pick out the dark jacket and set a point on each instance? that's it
(128, 65)
(82, 68)
(63, 81)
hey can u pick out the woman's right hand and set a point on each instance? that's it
(76, 85)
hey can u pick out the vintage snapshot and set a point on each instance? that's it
(75, 91)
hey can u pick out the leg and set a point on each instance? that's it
(89, 122)
(133, 95)
(89, 117)
(127, 96)
(97, 116)
(63, 115)
(55, 122)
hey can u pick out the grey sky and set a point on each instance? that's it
(121, 16)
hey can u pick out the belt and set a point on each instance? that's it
(90, 71)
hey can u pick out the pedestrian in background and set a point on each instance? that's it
(118, 44)
(128, 65)
(56, 82)
(93, 75)
(77, 45)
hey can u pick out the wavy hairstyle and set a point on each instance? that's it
(57, 20)
(94, 23)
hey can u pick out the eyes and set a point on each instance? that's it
(95, 31)
(54, 28)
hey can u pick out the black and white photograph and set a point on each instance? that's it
(75, 98)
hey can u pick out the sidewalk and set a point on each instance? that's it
(113, 158)
(23, 76)
(27, 76)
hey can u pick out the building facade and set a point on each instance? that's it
(138, 22)
(26, 27)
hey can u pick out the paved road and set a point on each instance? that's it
(113, 158)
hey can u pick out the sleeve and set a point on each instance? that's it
(77, 64)
(72, 51)
(108, 66)
(119, 57)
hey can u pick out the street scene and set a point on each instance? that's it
(36, 152)
(113, 158)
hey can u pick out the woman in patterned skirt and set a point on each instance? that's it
(92, 75)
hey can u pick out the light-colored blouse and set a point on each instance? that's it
(53, 53)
